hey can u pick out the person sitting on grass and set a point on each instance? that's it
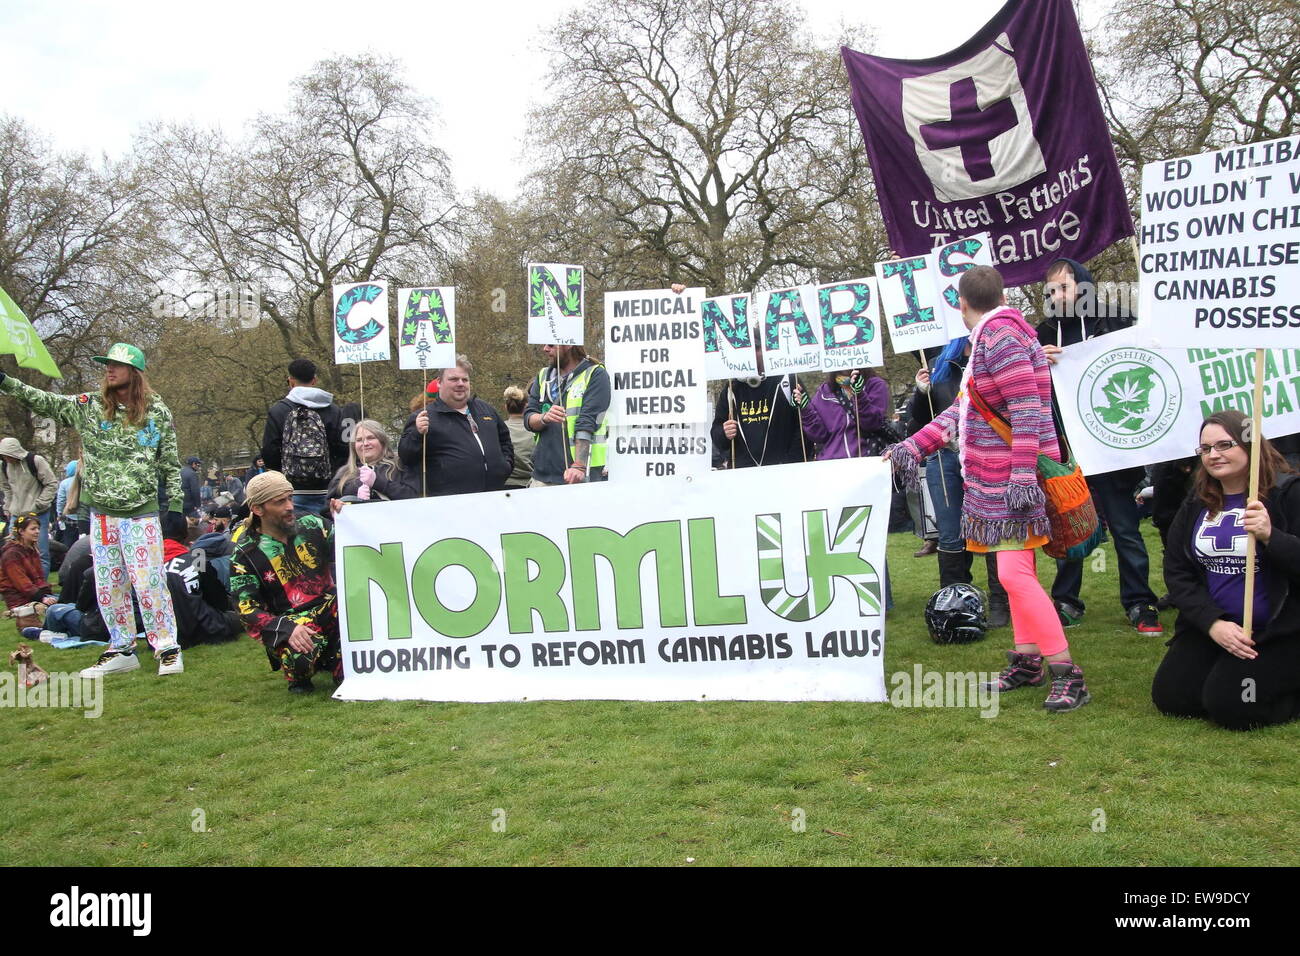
(282, 583)
(22, 579)
(373, 472)
(1212, 669)
(203, 612)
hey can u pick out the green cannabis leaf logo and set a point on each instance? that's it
(1129, 395)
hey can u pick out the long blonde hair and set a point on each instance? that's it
(387, 455)
(137, 395)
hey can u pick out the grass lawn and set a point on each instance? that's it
(288, 780)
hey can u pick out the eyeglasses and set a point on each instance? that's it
(1220, 446)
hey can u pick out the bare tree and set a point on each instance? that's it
(706, 141)
(74, 241)
(1184, 76)
(344, 187)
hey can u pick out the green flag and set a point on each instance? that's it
(18, 338)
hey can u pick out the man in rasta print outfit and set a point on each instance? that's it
(282, 582)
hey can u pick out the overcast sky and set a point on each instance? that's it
(88, 73)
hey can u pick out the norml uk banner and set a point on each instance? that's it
(758, 584)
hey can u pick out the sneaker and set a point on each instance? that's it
(1022, 670)
(32, 633)
(1068, 689)
(1071, 615)
(304, 686)
(49, 637)
(112, 662)
(170, 662)
(1146, 619)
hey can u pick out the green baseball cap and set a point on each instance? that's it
(126, 354)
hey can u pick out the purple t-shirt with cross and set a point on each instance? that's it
(1219, 543)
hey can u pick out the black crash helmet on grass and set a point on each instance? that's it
(955, 615)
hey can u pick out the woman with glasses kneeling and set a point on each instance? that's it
(1212, 669)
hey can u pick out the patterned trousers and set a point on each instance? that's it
(128, 553)
(324, 658)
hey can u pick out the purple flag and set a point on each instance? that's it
(1003, 134)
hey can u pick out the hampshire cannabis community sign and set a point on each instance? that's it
(741, 585)
(1126, 405)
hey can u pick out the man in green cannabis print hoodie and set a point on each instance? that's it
(128, 451)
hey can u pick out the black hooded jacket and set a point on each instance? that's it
(465, 452)
(924, 407)
(769, 430)
(1086, 317)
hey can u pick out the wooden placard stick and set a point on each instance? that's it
(1252, 494)
(424, 445)
(731, 413)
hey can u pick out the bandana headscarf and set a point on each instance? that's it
(262, 488)
(266, 486)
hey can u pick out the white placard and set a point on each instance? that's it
(909, 292)
(1125, 405)
(728, 337)
(655, 353)
(361, 322)
(644, 452)
(1220, 248)
(848, 321)
(789, 336)
(426, 327)
(948, 262)
(758, 584)
(555, 304)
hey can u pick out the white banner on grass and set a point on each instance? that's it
(641, 452)
(1220, 253)
(555, 304)
(654, 347)
(361, 322)
(426, 327)
(1126, 405)
(758, 584)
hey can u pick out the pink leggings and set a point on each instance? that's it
(1033, 616)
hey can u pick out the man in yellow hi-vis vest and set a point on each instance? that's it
(567, 404)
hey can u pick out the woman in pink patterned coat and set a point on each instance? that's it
(1004, 510)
